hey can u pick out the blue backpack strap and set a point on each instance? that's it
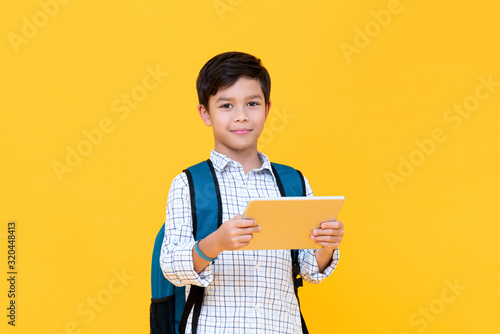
(291, 182)
(206, 211)
(205, 196)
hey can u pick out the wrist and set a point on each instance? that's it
(203, 256)
(325, 251)
(216, 244)
(208, 247)
(324, 257)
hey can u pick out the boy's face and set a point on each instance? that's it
(237, 116)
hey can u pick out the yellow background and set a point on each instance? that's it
(345, 122)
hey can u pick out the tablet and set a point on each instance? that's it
(287, 222)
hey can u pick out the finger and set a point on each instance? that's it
(245, 238)
(241, 245)
(248, 230)
(327, 238)
(333, 232)
(246, 222)
(335, 224)
(328, 244)
(256, 229)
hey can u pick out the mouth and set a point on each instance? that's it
(241, 131)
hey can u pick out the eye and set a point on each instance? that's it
(225, 106)
(253, 104)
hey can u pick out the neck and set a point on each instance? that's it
(249, 159)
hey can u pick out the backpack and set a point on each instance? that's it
(169, 310)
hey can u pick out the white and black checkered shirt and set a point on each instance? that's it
(246, 291)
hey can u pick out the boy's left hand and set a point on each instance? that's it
(329, 234)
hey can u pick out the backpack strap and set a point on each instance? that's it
(205, 196)
(291, 182)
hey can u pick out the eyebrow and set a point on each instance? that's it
(255, 97)
(223, 98)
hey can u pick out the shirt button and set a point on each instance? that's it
(256, 308)
(257, 266)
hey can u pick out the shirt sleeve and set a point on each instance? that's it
(309, 268)
(176, 257)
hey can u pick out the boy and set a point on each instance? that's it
(245, 291)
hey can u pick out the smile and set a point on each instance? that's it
(241, 131)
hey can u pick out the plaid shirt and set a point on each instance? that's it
(246, 291)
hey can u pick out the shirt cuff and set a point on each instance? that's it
(309, 266)
(183, 268)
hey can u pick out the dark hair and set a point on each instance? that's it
(225, 69)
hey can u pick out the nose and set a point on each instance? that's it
(240, 114)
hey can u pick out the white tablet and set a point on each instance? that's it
(287, 222)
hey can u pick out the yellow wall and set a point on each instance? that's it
(385, 102)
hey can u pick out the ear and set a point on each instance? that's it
(205, 116)
(268, 106)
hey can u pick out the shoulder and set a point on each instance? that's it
(179, 186)
(291, 176)
(183, 180)
(286, 169)
(180, 180)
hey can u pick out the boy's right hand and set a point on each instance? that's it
(236, 233)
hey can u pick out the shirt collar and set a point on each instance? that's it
(221, 161)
